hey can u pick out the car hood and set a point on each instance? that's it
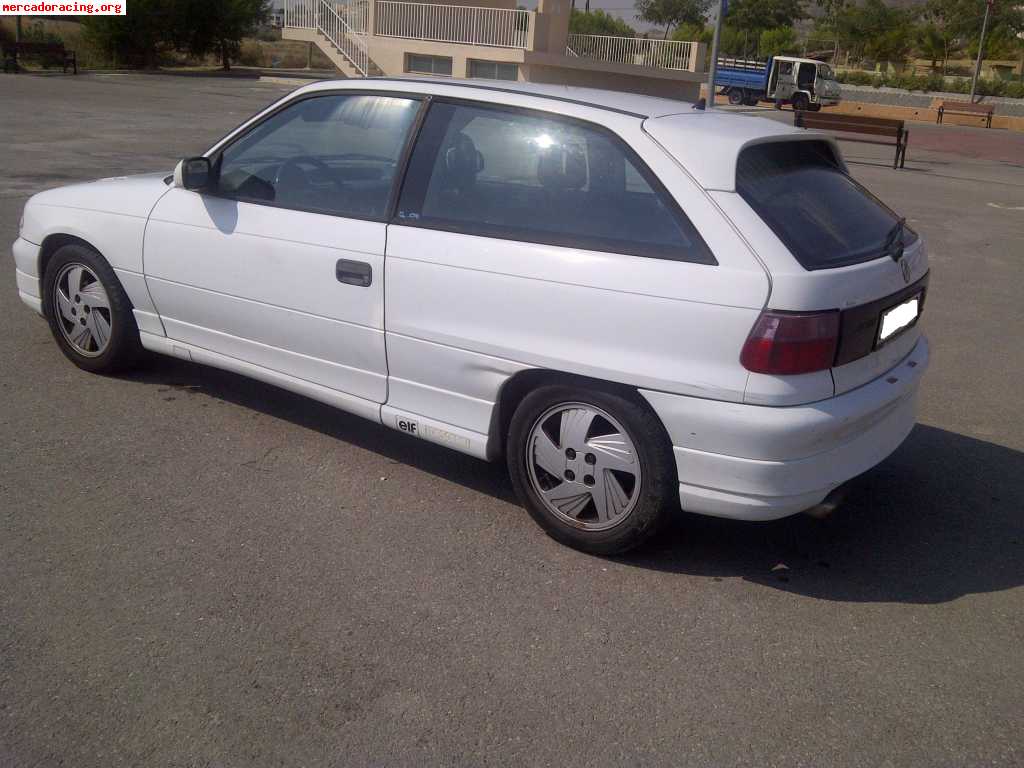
(125, 195)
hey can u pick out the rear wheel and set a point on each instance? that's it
(593, 468)
(751, 100)
(89, 313)
(735, 97)
(814, 107)
(800, 102)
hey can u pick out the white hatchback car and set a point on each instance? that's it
(635, 303)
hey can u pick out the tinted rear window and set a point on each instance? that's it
(824, 217)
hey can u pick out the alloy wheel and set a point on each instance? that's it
(583, 466)
(82, 309)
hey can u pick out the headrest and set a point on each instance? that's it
(462, 160)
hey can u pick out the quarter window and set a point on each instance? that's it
(525, 176)
(333, 154)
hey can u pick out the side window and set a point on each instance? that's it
(525, 176)
(333, 154)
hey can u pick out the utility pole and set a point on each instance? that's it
(981, 48)
(709, 102)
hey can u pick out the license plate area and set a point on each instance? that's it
(897, 319)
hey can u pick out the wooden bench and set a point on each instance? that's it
(966, 108)
(880, 128)
(45, 52)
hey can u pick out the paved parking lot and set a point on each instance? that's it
(200, 570)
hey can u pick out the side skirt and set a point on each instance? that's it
(341, 400)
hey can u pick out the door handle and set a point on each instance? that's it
(354, 273)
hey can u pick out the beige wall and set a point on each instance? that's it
(551, 26)
(389, 54)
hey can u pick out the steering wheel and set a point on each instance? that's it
(292, 164)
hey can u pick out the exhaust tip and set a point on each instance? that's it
(828, 505)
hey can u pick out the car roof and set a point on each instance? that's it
(705, 143)
(633, 104)
(708, 144)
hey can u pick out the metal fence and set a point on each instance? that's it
(664, 54)
(499, 27)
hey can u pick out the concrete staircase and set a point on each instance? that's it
(343, 59)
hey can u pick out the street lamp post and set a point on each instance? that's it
(709, 102)
(981, 49)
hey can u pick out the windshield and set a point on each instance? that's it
(825, 72)
(824, 217)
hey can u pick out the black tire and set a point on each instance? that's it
(814, 107)
(658, 491)
(751, 100)
(735, 97)
(123, 349)
(800, 102)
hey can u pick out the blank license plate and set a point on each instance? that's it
(898, 318)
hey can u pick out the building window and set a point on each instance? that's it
(428, 65)
(493, 70)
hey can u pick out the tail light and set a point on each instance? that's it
(789, 343)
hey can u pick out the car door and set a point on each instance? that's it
(523, 239)
(785, 85)
(280, 263)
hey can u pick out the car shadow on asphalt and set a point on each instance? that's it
(941, 518)
(485, 477)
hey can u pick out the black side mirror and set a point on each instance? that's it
(193, 173)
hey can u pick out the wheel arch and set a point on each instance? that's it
(522, 383)
(54, 242)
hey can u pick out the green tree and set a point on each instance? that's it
(935, 43)
(875, 30)
(764, 14)
(598, 22)
(137, 38)
(690, 32)
(218, 26)
(778, 41)
(672, 13)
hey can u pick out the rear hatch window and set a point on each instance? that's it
(823, 216)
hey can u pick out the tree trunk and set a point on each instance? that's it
(225, 60)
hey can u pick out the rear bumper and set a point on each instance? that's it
(754, 462)
(26, 262)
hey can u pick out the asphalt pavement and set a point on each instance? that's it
(201, 570)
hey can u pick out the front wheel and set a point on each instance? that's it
(593, 468)
(88, 311)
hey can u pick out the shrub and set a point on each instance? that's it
(933, 83)
(250, 54)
